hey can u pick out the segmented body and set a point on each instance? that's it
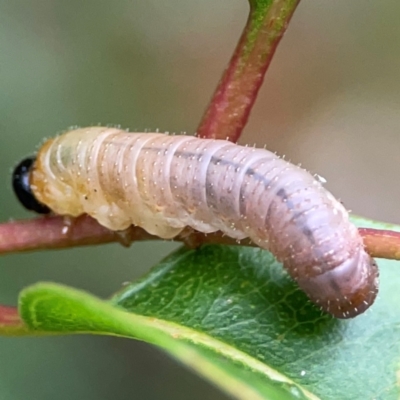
(164, 183)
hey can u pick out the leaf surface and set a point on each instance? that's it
(233, 314)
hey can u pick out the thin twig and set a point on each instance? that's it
(57, 233)
(11, 323)
(230, 106)
(381, 243)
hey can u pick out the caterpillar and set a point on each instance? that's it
(164, 183)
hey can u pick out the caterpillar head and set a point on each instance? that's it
(22, 187)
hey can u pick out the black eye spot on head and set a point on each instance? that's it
(22, 189)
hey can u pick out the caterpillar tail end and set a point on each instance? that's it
(347, 290)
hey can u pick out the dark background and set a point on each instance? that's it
(330, 101)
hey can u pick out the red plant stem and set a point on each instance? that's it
(57, 233)
(9, 316)
(10, 322)
(381, 243)
(230, 106)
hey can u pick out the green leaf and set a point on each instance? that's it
(233, 315)
(52, 308)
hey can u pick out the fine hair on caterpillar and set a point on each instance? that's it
(165, 183)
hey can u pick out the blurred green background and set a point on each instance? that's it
(330, 101)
